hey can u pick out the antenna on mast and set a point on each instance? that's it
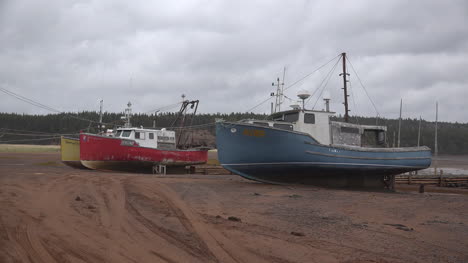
(344, 74)
(100, 114)
(128, 113)
(303, 95)
(279, 92)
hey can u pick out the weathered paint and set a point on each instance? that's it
(101, 151)
(294, 157)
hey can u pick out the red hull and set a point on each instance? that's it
(108, 150)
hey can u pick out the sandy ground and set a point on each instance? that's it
(52, 213)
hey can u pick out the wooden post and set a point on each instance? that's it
(441, 172)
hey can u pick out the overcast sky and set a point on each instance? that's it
(70, 54)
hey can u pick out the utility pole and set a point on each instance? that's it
(399, 122)
(344, 74)
(419, 130)
(435, 143)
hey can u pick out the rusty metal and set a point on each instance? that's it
(182, 118)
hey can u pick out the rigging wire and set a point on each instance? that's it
(187, 127)
(27, 100)
(319, 87)
(43, 106)
(293, 84)
(328, 77)
(354, 102)
(357, 75)
(256, 106)
(306, 76)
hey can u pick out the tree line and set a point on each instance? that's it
(46, 129)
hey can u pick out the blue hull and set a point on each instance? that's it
(281, 156)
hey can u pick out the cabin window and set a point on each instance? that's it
(309, 118)
(381, 138)
(126, 133)
(140, 135)
(288, 127)
(262, 123)
(151, 136)
(118, 134)
(291, 117)
(349, 130)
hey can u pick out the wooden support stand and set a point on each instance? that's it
(159, 169)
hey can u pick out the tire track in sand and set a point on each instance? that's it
(219, 245)
(188, 242)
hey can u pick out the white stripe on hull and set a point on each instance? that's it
(352, 164)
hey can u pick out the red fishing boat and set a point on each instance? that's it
(136, 149)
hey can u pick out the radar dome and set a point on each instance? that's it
(303, 94)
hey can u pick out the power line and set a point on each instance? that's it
(36, 132)
(164, 108)
(37, 135)
(27, 100)
(23, 140)
(40, 105)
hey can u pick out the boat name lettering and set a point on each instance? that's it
(253, 132)
(333, 150)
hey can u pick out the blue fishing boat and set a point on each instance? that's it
(302, 146)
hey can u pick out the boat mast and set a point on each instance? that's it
(128, 113)
(279, 92)
(100, 115)
(344, 74)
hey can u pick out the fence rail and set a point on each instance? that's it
(440, 181)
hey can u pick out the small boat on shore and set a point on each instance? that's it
(138, 149)
(302, 146)
(70, 152)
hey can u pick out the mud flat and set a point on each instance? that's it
(53, 213)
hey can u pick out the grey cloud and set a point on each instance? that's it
(68, 54)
